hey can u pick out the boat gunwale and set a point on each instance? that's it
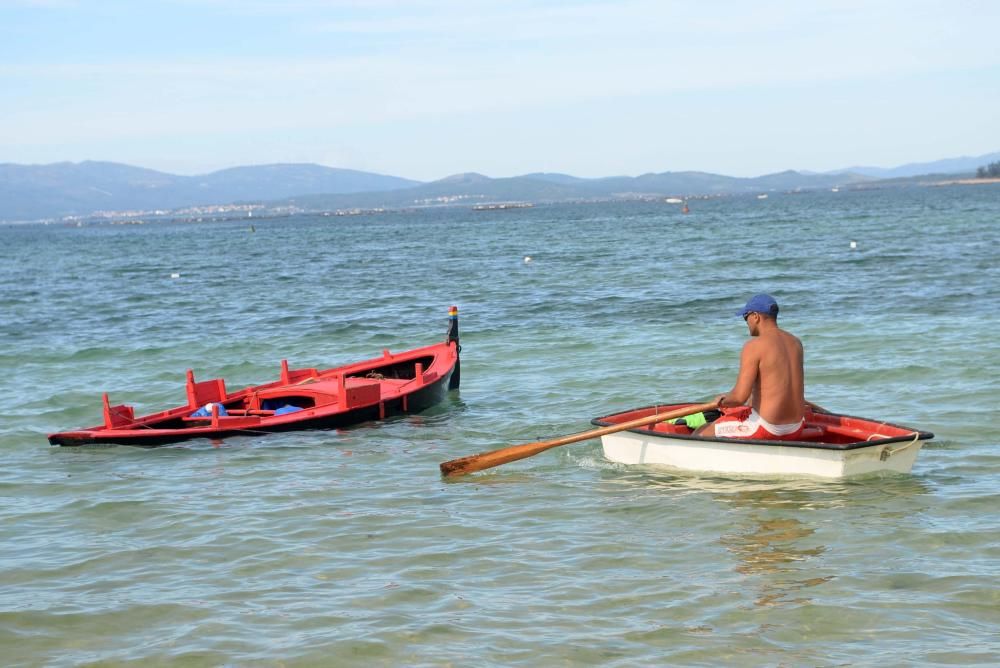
(813, 445)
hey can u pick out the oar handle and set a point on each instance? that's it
(486, 460)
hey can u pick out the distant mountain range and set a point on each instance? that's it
(29, 192)
(35, 192)
(476, 189)
(961, 165)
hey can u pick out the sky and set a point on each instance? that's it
(430, 88)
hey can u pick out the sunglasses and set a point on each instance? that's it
(745, 317)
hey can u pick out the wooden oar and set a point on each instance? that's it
(486, 460)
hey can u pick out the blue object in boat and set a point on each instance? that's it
(206, 411)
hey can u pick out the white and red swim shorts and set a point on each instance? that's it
(744, 422)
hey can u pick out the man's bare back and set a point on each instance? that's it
(777, 391)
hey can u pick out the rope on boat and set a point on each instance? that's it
(889, 452)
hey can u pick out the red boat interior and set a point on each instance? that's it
(819, 428)
(297, 389)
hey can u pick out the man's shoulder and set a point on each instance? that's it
(771, 341)
(791, 336)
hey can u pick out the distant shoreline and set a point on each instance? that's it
(966, 182)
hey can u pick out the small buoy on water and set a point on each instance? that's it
(175, 275)
(527, 259)
(854, 244)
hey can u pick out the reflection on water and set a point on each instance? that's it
(775, 549)
(784, 531)
(775, 537)
(772, 544)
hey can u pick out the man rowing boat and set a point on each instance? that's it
(768, 399)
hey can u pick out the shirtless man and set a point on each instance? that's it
(768, 399)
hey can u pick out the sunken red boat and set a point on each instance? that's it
(393, 384)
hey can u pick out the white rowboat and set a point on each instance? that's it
(832, 446)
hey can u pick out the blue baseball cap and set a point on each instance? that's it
(760, 304)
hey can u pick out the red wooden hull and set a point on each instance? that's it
(374, 389)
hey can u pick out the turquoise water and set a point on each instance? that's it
(347, 548)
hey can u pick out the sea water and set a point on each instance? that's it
(348, 548)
